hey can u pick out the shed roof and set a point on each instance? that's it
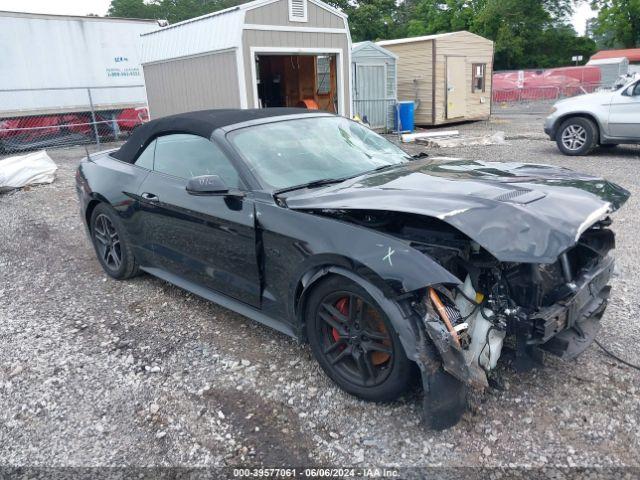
(88, 18)
(607, 61)
(212, 32)
(426, 37)
(356, 47)
(209, 33)
(633, 54)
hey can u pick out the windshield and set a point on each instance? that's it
(296, 152)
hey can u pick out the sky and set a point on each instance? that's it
(99, 7)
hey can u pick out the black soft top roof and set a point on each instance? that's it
(201, 123)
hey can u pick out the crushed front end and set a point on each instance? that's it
(528, 247)
(526, 307)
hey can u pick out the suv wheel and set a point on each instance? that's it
(576, 136)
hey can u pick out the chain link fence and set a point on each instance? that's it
(537, 99)
(33, 119)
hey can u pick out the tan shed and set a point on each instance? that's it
(447, 75)
(266, 53)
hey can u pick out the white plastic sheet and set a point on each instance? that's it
(23, 170)
(496, 138)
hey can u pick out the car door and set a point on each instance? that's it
(134, 218)
(624, 113)
(207, 240)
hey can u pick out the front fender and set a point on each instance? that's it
(445, 374)
(403, 324)
(390, 263)
(312, 242)
(413, 331)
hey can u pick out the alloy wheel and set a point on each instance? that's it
(574, 137)
(107, 242)
(354, 338)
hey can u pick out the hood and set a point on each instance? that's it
(594, 98)
(518, 212)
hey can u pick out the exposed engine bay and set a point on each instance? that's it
(555, 306)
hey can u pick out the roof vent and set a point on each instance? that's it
(297, 10)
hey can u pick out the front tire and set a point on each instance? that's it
(111, 243)
(354, 342)
(577, 136)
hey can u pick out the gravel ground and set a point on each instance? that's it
(98, 372)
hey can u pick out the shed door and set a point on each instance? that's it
(456, 87)
(371, 91)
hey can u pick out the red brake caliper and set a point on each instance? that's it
(343, 307)
(378, 358)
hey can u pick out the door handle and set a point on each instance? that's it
(152, 197)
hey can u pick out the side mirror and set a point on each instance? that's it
(632, 90)
(210, 185)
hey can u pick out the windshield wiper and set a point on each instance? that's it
(385, 167)
(313, 184)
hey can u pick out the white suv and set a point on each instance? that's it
(606, 118)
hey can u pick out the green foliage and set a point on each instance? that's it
(530, 33)
(369, 18)
(171, 10)
(618, 22)
(131, 9)
(527, 33)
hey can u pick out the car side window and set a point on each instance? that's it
(636, 90)
(145, 159)
(186, 156)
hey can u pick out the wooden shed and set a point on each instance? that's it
(266, 53)
(447, 75)
(374, 94)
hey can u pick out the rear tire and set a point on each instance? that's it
(357, 348)
(577, 136)
(111, 243)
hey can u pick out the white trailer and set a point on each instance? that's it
(50, 61)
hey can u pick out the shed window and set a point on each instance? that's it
(478, 77)
(323, 74)
(297, 10)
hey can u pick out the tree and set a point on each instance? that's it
(132, 9)
(438, 16)
(530, 33)
(171, 10)
(618, 21)
(369, 19)
(603, 39)
(527, 33)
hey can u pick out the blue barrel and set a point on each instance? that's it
(404, 117)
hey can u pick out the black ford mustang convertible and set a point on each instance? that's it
(394, 268)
